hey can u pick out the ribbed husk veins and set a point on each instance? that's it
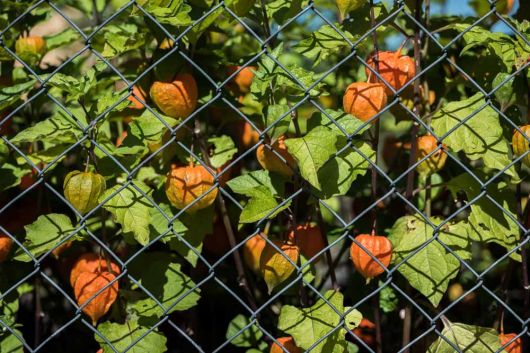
(185, 185)
(82, 190)
(308, 238)
(89, 284)
(252, 251)
(5, 246)
(396, 69)
(177, 99)
(92, 262)
(436, 161)
(514, 347)
(35, 45)
(377, 246)
(272, 162)
(364, 100)
(287, 344)
(275, 266)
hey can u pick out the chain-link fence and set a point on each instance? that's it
(255, 176)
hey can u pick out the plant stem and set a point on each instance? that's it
(329, 259)
(375, 146)
(345, 246)
(428, 200)
(38, 309)
(95, 13)
(375, 137)
(304, 298)
(241, 277)
(266, 24)
(522, 217)
(377, 319)
(407, 327)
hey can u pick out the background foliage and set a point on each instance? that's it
(458, 274)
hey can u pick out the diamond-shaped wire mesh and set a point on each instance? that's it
(264, 176)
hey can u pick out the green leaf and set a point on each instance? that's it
(352, 317)
(510, 92)
(388, 299)
(43, 234)
(60, 128)
(486, 222)
(159, 223)
(11, 94)
(338, 174)
(170, 12)
(121, 38)
(260, 205)
(283, 10)
(312, 151)
(304, 77)
(166, 282)
(352, 348)
(469, 339)
(324, 42)
(11, 175)
(431, 268)
(498, 44)
(9, 343)
(480, 137)
(308, 325)
(248, 338)
(359, 21)
(309, 271)
(206, 22)
(87, 7)
(224, 150)
(130, 209)
(342, 121)
(457, 236)
(4, 152)
(121, 336)
(263, 192)
(46, 155)
(109, 100)
(273, 113)
(194, 235)
(75, 87)
(247, 183)
(149, 128)
(65, 37)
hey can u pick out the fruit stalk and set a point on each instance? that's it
(428, 193)
(331, 264)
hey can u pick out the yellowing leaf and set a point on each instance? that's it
(467, 338)
(275, 266)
